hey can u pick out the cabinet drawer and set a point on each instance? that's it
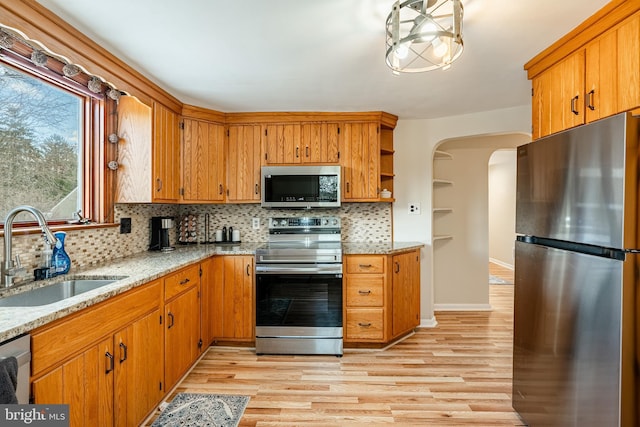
(364, 324)
(180, 281)
(358, 264)
(365, 291)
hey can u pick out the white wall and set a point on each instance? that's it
(502, 206)
(414, 144)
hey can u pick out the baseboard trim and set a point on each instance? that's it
(501, 263)
(428, 323)
(462, 307)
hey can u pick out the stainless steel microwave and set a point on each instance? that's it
(300, 187)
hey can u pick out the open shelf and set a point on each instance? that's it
(442, 155)
(442, 237)
(442, 182)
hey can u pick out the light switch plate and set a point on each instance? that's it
(414, 208)
(255, 223)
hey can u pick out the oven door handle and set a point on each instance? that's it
(299, 269)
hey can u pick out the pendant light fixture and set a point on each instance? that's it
(424, 35)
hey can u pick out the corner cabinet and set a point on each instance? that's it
(591, 73)
(381, 297)
(148, 153)
(203, 162)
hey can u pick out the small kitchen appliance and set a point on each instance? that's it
(159, 240)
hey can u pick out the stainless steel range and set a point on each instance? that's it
(299, 287)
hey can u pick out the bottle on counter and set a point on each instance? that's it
(230, 235)
(224, 234)
(60, 259)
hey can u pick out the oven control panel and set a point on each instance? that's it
(304, 222)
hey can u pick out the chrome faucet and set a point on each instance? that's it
(9, 268)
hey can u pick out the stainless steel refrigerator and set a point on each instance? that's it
(576, 331)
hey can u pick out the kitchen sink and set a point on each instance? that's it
(55, 292)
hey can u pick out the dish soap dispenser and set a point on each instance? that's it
(61, 260)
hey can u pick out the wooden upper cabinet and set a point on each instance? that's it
(319, 142)
(281, 144)
(243, 154)
(148, 153)
(628, 62)
(360, 161)
(601, 82)
(166, 154)
(203, 166)
(591, 73)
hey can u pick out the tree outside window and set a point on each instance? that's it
(41, 133)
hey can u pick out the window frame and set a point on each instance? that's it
(95, 203)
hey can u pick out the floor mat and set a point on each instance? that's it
(198, 409)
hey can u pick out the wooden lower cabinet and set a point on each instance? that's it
(182, 341)
(115, 380)
(381, 297)
(231, 299)
(405, 293)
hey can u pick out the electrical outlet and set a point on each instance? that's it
(414, 208)
(125, 225)
(255, 223)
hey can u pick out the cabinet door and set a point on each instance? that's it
(182, 335)
(85, 383)
(405, 292)
(320, 142)
(139, 369)
(281, 144)
(243, 163)
(135, 176)
(203, 167)
(207, 301)
(233, 299)
(166, 154)
(360, 159)
(628, 72)
(601, 84)
(570, 105)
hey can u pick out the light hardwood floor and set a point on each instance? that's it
(456, 374)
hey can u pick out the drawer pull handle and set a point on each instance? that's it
(123, 352)
(365, 265)
(364, 292)
(574, 100)
(591, 94)
(109, 357)
(364, 325)
(170, 316)
(257, 189)
(248, 270)
(185, 281)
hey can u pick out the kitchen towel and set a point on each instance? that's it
(8, 380)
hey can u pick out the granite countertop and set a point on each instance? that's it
(134, 271)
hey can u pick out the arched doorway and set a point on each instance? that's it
(460, 219)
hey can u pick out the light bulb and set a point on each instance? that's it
(428, 32)
(402, 50)
(440, 48)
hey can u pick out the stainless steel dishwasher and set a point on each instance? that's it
(20, 348)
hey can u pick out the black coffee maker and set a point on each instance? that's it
(160, 226)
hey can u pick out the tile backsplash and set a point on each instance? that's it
(361, 222)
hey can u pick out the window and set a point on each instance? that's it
(41, 146)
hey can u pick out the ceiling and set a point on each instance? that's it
(321, 55)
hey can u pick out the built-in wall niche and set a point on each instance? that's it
(442, 197)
